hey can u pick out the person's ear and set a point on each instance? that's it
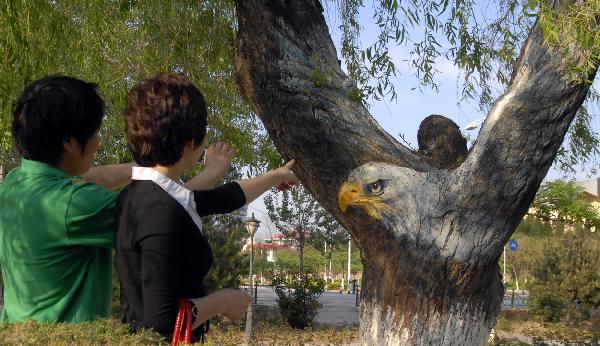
(71, 146)
(189, 146)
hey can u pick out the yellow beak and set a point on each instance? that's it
(349, 193)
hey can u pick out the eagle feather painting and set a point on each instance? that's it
(430, 223)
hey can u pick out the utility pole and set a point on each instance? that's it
(504, 265)
(251, 225)
(349, 260)
(325, 274)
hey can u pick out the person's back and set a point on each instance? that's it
(57, 231)
(50, 272)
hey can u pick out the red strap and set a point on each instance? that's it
(187, 337)
(184, 316)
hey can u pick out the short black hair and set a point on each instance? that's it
(162, 115)
(50, 111)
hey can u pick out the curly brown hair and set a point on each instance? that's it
(162, 115)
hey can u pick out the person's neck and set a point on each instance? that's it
(173, 172)
(68, 167)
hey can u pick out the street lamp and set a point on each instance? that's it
(251, 225)
(474, 124)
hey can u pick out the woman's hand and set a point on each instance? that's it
(288, 178)
(217, 162)
(218, 159)
(235, 303)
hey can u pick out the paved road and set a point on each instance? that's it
(337, 309)
(340, 309)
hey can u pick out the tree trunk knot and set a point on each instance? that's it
(441, 144)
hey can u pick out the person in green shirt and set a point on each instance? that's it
(56, 213)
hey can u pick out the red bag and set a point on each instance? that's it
(184, 318)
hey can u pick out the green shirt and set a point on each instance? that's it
(56, 240)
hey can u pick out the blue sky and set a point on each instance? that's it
(403, 115)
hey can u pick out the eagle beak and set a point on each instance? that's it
(349, 193)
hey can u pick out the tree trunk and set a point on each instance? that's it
(328, 265)
(301, 243)
(430, 238)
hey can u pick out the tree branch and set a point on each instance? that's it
(287, 69)
(521, 136)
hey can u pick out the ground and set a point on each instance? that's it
(336, 325)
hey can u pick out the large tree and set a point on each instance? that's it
(115, 44)
(430, 226)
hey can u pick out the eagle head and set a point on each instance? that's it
(366, 188)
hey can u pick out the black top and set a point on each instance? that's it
(161, 254)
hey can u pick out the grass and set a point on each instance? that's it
(272, 330)
(101, 332)
(520, 322)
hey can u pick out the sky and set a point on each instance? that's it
(403, 115)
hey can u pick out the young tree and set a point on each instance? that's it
(430, 224)
(293, 211)
(327, 236)
(566, 277)
(226, 235)
(562, 201)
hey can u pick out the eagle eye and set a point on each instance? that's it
(376, 187)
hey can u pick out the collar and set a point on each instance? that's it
(38, 167)
(182, 195)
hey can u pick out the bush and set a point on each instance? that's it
(566, 285)
(297, 298)
(334, 285)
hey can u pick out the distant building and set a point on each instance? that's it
(271, 245)
(591, 195)
(591, 190)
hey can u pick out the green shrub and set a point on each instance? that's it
(334, 285)
(566, 285)
(297, 298)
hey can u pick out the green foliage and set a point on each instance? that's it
(356, 95)
(483, 40)
(562, 201)
(293, 211)
(582, 144)
(566, 277)
(297, 298)
(575, 25)
(226, 235)
(327, 231)
(117, 43)
(530, 235)
(334, 285)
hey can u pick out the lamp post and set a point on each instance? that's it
(251, 225)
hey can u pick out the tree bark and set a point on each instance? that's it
(430, 252)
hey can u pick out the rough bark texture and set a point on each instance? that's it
(429, 238)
